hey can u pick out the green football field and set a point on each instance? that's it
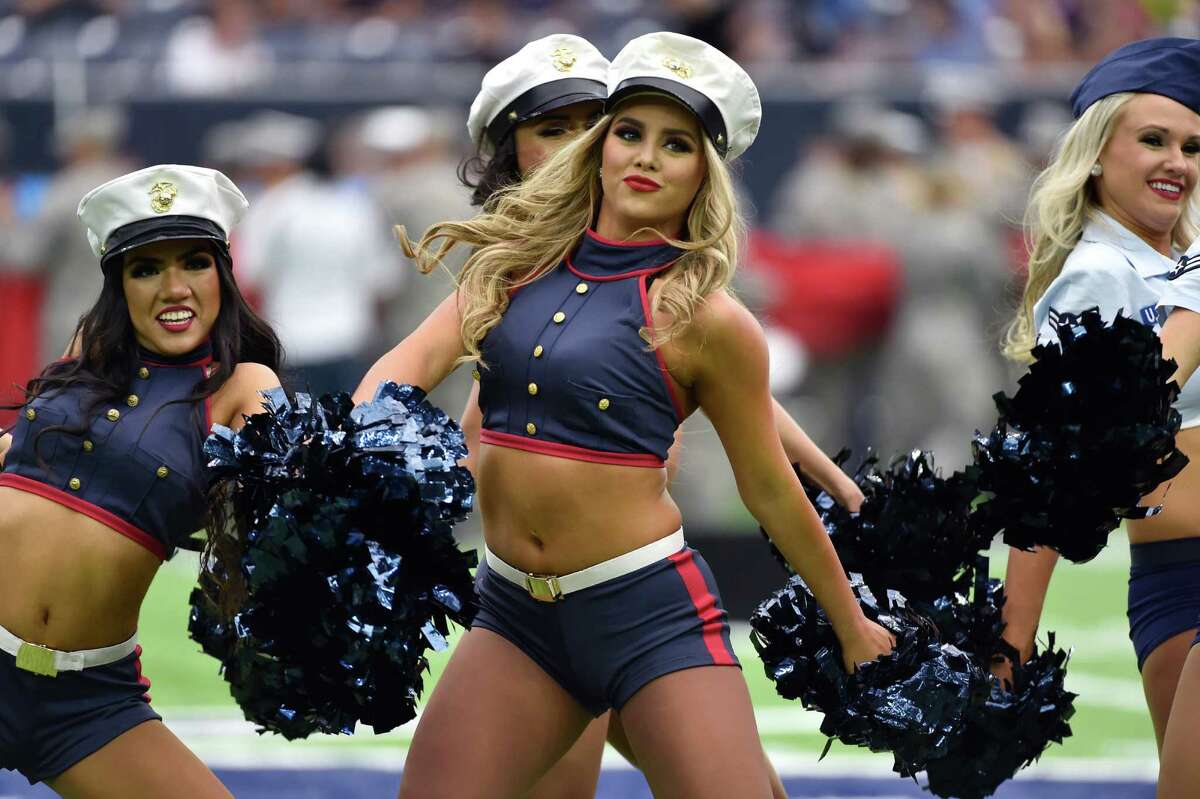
(1086, 608)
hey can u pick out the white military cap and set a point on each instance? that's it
(698, 75)
(168, 201)
(549, 73)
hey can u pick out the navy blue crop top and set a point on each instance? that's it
(567, 372)
(138, 472)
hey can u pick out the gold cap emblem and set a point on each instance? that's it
(563, 58)
(162, 197)
(680, 68)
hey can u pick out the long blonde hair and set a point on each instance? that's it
(1060, 202)
(528, 228)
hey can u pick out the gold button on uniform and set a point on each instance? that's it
(533, 389)
(603, 404)
(30, 414)
(88, 446)
(143, 373)
(162, 471)
(74, 484)
(582, 288)
(132, 400)
(537, 351)
(113, 415)
(531, 429)
(559, 317)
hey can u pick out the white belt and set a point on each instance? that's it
(49, 662)
(551, 588)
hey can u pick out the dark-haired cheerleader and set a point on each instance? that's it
(103, 477)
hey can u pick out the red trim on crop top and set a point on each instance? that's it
(662, 364)
(107, 518)
(570, 451)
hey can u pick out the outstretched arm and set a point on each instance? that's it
(815, 464)
(424, 358)
(730, 384)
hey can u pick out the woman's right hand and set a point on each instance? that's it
(1002, 665)
(869, 641)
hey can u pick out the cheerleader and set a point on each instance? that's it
(531, 105)
(1106, 220)
(103, 478)
(596, 303)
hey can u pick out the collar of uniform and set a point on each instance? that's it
(599, 258)
(1145, 259)
(201, 356)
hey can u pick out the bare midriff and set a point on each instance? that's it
(67, 581)
(551, 515)
(1180, 498)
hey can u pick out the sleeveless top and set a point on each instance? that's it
(567, 373)
(1114, 270)
(139, 466)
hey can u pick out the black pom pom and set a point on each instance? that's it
(913, 533)
(1089, 432)
(909, 703)
(351, 569)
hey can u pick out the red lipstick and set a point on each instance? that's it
(641, 183)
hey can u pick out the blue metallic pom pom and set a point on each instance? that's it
(350, 565)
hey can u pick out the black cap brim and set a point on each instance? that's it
(543, 99)
(704, 108)
(163, 228)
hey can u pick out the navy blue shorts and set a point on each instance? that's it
(603, 643)
(1164, 592)
(48, 724)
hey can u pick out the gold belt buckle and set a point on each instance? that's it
(543, 587)
(36, 659)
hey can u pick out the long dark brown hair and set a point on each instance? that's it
(486, 176)
(108, 356)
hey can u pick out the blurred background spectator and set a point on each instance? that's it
(899, 141)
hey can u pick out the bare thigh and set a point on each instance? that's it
(1160, 677)
(147, 760)
(1179, 771)
(678, 722)
(495, 723)
(618, 740)
(577, 773)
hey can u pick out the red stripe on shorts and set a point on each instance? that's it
(706, 606)
(142, 679)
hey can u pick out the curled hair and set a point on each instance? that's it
(528, 228)
(486, 176)
(1062, 198)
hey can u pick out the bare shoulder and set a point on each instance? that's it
(240, 394)
(723, 323)
(254, 377)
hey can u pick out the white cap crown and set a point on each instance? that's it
(709, 82)
(547, 73)
(160, 191)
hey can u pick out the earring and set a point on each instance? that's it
(1097, 170)
(600, 172)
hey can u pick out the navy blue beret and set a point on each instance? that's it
(1168, 65)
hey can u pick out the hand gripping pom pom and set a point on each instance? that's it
(1017, 722)
(350, 567)
(1089, 432)
(913, 533)
(909, 703)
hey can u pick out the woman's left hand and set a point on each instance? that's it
(867, 642)
(847, 494)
